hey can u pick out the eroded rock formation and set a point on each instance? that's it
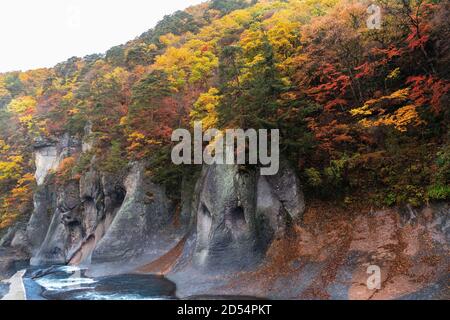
(232, 232)
(100, 218)
(240, 212)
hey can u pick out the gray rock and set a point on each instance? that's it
(52, 250)
(20, 239)
(12, 259)
(49, 154)
(44, 200)
(286, 187)
(8, 236)
(239, 213)
(145, 211)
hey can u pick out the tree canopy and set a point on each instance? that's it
(363, 113)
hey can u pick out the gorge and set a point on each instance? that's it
(232, 227)
(94, 206)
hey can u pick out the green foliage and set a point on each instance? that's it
(334, 173)
(13, 84)
(115, 160)
(440, 187)
(438, 192)
(390, 199)
(443, 165)
(151, 87)
(250, 83)
(116, 56)
(313, 177)
(177, 23)
(139, 54)
(83, 163)
(227, 6)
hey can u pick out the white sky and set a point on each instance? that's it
(41, 33)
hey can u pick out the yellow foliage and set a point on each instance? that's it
(283, 36)
(123, 121)
(374, 112)
(169, 39)
(18, 200)
(205, 109)
(68, 97)
(24, 108)
(74, 111)
(153, 142)
(393, 74)
(22, 105)
(400, 120)
(11, 169)
(252, 39)
(3, 147)
(399, 95)
(136, 136)
(120, 75)
(188, 64)
(361, 111)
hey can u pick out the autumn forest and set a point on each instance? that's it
(363, 112)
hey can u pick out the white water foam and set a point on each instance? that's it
(92, 295)
(70, 283)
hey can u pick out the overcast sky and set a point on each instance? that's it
(41, 33)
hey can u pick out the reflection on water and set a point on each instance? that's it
(71, 283)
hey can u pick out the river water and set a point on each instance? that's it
(72, 283)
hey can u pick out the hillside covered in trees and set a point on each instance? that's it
(363, 113)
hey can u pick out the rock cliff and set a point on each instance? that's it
(229, 225)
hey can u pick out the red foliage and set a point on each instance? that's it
(365, 70)
(333, 87)
(428, 90)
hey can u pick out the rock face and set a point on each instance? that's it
(11, 260)
(83, 211)
(49, 154)
(102, 218)
(44, 200)
(58, 240)
(145, 211)
(68, 218)
(233, 232)
(118, 218)
(105, 218)
(329, 255)
(239, 213)
(101, 197)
